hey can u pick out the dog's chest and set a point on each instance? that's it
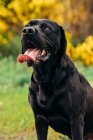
(54, 105)
(48, 100)
(53, 111)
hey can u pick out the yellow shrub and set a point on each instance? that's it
(3, 40)
(83, 51)
(70, 46)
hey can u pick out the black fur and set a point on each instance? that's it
(59, 95)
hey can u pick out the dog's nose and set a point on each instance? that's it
(28, 30)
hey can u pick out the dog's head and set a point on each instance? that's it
(42, 40)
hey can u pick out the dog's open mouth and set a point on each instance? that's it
(38, 54)
(35, 55)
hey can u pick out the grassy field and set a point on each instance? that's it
(16, 117)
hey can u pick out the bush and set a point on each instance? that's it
(82, 52)
(12, 47)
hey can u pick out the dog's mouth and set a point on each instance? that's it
(34, 55)
(37, 55)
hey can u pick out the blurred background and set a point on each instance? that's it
(76, 17)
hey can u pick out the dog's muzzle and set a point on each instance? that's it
(28, 30)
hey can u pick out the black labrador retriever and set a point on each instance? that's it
(59, 95)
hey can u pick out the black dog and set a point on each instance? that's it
(59, 95)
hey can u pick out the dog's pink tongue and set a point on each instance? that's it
(32, 53)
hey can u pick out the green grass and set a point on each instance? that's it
(15, 114)
(86, 71)
(16, 117)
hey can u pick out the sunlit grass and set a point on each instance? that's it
(15, 112)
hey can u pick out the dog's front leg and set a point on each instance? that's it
(77, 125)
(41, 124)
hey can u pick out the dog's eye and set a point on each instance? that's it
(46, 28)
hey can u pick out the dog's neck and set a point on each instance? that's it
(44, 73)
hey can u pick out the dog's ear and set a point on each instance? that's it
(63, 41)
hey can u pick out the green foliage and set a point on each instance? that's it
(86, 71)
(5, 2)
(12, 73)
(13, 47)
